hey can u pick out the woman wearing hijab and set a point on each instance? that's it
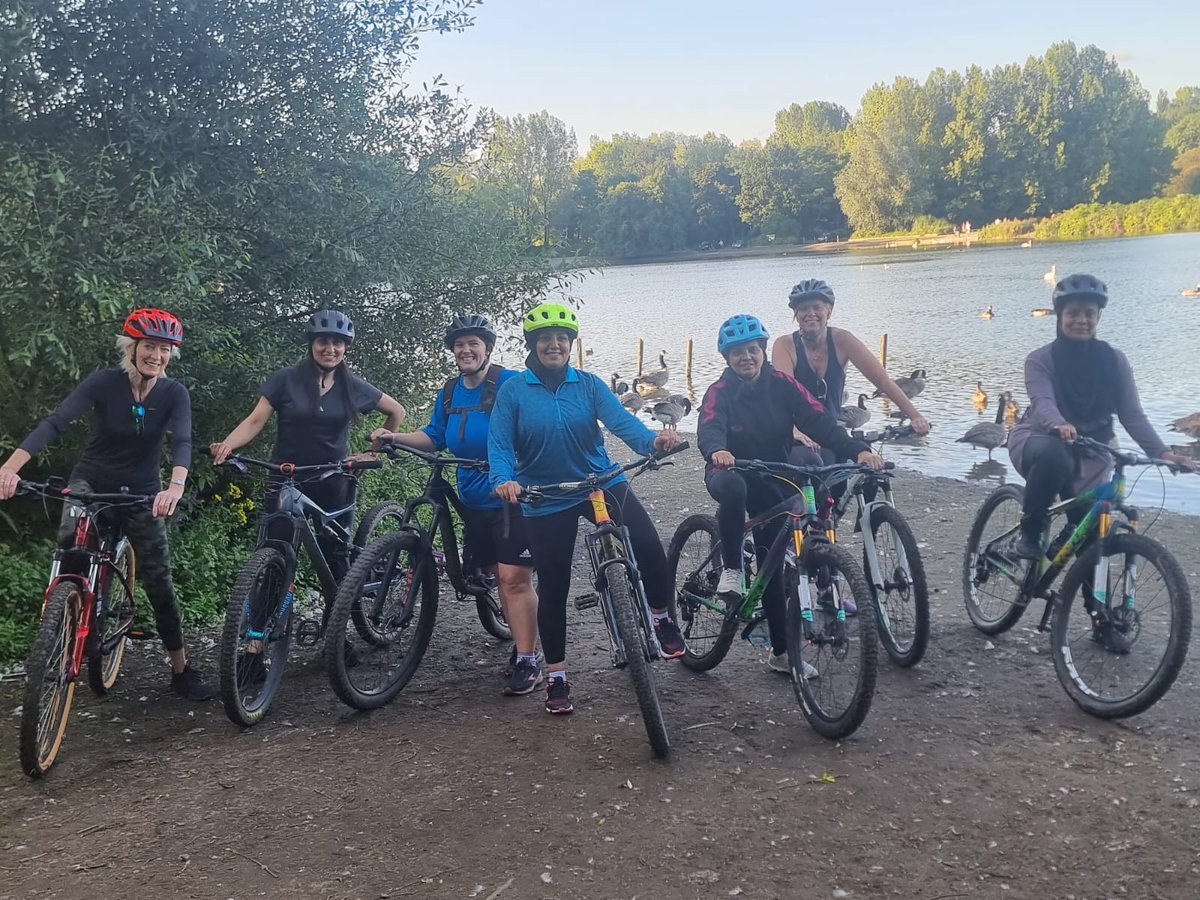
(1076, 384)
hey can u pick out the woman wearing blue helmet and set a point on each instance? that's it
(749, 413)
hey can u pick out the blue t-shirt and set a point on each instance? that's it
(466, 434)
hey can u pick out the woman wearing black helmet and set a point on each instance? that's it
(316, 400)
(462, 413)
(1075, 383)
(125, 452)
(816, 354)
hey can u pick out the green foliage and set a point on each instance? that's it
(1187, 175)
(926, 225)
(789, 190)
(1184, 134)
(1094, 220)
(209, 544)
(22, 583)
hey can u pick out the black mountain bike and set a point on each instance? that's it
(391, 592)
(261, 612)
(832, 657)
(618, 590)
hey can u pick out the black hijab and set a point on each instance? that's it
(1085, 384)
(551, 378)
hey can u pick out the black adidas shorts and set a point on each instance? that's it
(485, 541)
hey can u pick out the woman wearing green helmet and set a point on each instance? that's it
(555, 438)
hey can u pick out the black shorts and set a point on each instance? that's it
(484, 540)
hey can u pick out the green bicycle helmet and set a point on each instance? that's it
(550, 315)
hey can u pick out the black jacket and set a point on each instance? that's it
(754, 420)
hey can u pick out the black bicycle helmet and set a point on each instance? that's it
(330, 323)
(473, 324)
(1080, 287)
(810, 289)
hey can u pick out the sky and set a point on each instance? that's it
(608, 66)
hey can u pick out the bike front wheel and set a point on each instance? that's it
(623, 597)
(1118, 647)
(833, 657)
(708, 625)
(254, 643)
(49, 687)
(103, 668)
(393, 587)
(992, 573)
(903, 603)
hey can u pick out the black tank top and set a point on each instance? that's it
(827, 390)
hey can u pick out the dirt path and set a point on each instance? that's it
(974, 775)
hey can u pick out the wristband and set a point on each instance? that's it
(178, 482)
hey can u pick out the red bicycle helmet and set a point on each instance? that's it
(150, 324)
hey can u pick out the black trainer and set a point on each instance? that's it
(512, 663)
(1027, 546)
(526, 675)
(558, 697)
(670, 639)
(191, 685)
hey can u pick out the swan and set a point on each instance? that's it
(988, 435)
(1026, 245)
(1052, 275)
(856, 416)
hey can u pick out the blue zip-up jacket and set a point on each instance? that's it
(542, 437)
(468, 439)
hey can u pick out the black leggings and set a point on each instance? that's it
(738, 497)
(1049, 468)
(552, 540)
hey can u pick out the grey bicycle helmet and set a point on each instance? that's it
(462, 326)
(1080, 287)
(810, 289)
(330, 323)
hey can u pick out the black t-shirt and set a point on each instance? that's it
(313, 433)
(122, 452)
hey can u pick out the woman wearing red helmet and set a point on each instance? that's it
(133, 407)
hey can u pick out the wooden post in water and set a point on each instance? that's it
(687, 362)
(579, 353)
(641, 348)
(883, 351)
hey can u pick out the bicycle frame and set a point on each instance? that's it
(441, 497)
(300, 512)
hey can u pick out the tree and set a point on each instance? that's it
(818, 123)
(529, 159)
(790, 191)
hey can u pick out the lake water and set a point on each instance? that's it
(928, 302)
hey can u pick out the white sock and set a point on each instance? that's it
(659, 617)
(530, 658)
(561, 675)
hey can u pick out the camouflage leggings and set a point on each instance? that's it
(148, 536)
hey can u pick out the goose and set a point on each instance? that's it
(1189, 425)
(618, 387)
(988, 435)
(980, 397)
(632, 400)
(856, 416)
(987, 314)
(910, 385)
(1042, 311)
(657, 378)
(1052, 275)
(1012, 412)
(671, 410)
(1191, 292)
(1026, 245)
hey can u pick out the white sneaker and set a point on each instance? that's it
(779, 663)
(731, 582)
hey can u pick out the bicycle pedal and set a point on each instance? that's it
(309, 633)
(140, 634)
(587, 601)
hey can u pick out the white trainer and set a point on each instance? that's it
(731, 582)
(779, 663)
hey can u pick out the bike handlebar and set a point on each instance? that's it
(288, 469)
(432, 459)
(891, 432)
(827, 475)
(1125, 458)
(534, 492)
(70, 495)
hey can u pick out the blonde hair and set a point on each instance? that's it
(125, 345)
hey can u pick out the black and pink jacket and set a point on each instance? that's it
(754, 420)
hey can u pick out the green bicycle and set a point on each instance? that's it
(1121, 620)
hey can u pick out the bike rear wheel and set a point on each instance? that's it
(903, 605)
(384, 518)
(843, 651)
(48, 688)
(393, 585)
(103, 668)
(708, 625)
(623, 597)
(992, 574)
(1128, 664)
(491, 615)
(254, 643)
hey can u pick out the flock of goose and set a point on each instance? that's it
(649, 394)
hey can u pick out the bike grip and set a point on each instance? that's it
(206, 451)
(678, 448)
(356, 464)
(889, 465)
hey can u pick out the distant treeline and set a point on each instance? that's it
(1016, 143)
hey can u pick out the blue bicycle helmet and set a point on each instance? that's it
(740, 329)
(1080, 287)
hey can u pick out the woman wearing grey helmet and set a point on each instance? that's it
(816, 354)
(316, 401)
(1076, 384)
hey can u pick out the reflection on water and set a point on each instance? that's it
(928, 303)
(988, 470)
